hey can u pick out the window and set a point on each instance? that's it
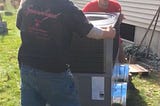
(127, 31)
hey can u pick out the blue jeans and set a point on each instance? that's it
(39, 88)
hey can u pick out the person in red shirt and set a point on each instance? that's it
(107, 6)
(102, 6)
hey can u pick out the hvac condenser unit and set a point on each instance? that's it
(92, 62)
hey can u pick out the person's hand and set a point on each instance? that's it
(121, 18)
(109, 32)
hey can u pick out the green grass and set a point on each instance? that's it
(147, 92)
(9, 71)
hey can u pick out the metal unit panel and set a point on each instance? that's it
(88, 95)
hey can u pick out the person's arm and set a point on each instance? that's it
(78, 23)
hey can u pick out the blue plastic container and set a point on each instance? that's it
(119, 93)
(120, 72)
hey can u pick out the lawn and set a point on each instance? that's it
(9, 71)
(145, 91)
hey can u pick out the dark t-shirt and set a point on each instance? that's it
(46, 28)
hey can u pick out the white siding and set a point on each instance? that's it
(80, 3)
(140, 12)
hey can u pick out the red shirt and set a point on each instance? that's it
(113, 6)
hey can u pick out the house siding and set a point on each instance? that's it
(140, 12)
(80, 3)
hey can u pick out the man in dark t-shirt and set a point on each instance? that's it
(46, 28)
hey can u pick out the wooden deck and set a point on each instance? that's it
(136, 68)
